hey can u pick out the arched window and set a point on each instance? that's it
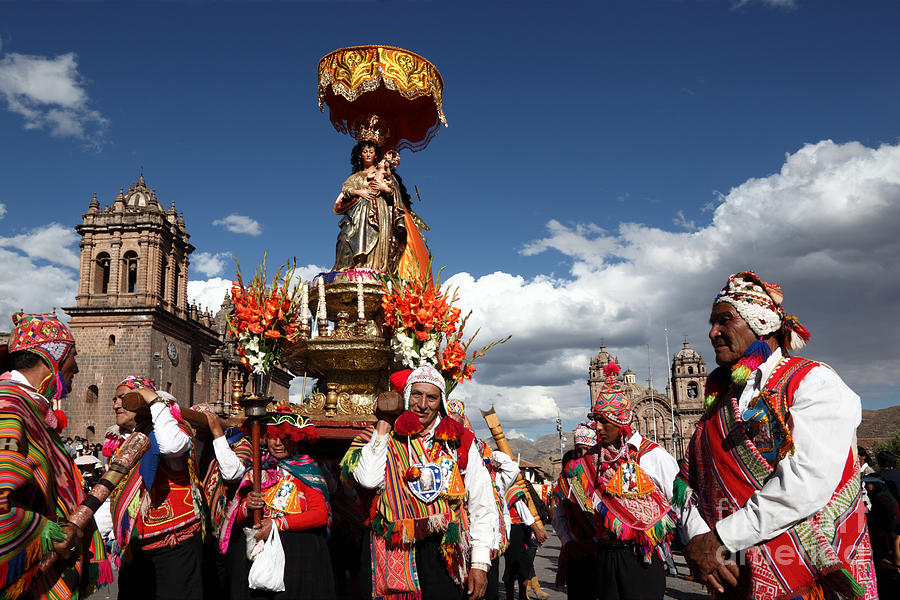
(112, 341)
(690, 370)
(130, 266)
(162, 278)
(693, 390)
(101, 276)
(177, 275)
(91, 394)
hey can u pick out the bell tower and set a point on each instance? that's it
(688, 378)
(134, 253)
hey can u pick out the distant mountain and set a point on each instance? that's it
(878, 424)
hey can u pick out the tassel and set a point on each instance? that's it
(105, 574)
(407, 424)
(795, 334)
(448, 430)
(679, 492)
(452, 534)
(611, 369)
(756, 354)
(62, 421)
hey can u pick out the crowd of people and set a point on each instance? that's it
(773, 499)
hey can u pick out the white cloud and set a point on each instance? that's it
(49, 93)
(208, 294)
(2, 210)
(27, 281)
(52, 243)
(210, 264)
(515, 434)
(825, 227)
(240, 224)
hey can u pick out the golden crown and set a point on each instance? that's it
(371, 129)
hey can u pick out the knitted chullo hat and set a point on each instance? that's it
(759, 304)
(284, 423)
(49, 338)
(585, 435)
(425, 374)
(612, 403)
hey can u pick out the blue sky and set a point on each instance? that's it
(599, 158)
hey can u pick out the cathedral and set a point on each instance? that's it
(132, 315)
(668, 419)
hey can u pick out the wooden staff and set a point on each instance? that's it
(130, 452)
(493, 423)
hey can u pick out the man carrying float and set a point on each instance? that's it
(434, 511)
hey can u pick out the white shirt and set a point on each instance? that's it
(480, 504)
(507, 471)
(823, 419)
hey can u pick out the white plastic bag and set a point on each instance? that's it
(267, 570)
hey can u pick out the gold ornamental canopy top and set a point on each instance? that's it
(400, 87)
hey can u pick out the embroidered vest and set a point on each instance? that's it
(170, 504)
(826, 555)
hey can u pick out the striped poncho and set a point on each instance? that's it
(39, 486)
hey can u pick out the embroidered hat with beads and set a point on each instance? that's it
(611, 402)
(585, 435)
(759, 304)
(49, 338)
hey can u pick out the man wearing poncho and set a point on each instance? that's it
(40, 486)
(574, 525)
(158, 510)
(771, 476)
(431, 542)
(627, 481)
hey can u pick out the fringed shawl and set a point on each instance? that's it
(33, 459)
(723, 469)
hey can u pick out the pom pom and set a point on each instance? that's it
(62, 421)
(398, 380)
(740, 374)
(449, 430)
(611, 369)
(408, 424)
(412, 474)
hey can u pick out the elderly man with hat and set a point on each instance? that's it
(433, 511)
(770, 483)
(158, 509)
(628, 480)
(40, 486)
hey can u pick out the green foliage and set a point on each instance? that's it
(892, 445)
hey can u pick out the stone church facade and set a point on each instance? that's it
(666, 418)
(132, 316)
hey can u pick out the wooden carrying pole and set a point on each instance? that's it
(493, 423)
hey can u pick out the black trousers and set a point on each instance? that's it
(518, 559)
(623, 575)
(581, 578)
(164, 574)
(492, 591)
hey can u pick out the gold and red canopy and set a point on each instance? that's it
(401, 87)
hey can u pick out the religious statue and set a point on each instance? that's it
(378, 229)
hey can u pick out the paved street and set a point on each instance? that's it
(677, 588)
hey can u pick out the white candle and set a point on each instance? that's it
(360, 303)
(304, 302)
(321, 312)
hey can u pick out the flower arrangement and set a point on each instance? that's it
(428, 329)
(266, 317)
